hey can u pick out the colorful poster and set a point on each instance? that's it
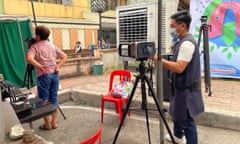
(223, 16)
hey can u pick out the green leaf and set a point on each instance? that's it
(218, 46)
(224, 50)
(212, 48)
(235, 49)
(228, 33)
(229, 55)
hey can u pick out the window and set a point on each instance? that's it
(65, 2)
(112, 4)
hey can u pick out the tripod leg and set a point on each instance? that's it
(206, 62)
(159, 110)
(59, 108)
(147, 123)
(31, 78)
(144, 107)
(199, 37)
(126, 110)
(25, 76)
(28, 80)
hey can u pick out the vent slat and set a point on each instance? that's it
(133, 25)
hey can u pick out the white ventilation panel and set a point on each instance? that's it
(139, 22)
(133, 25)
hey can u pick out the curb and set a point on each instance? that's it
(208, 118)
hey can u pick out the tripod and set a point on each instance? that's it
(28, 77)
(142, 76)
(204, 29)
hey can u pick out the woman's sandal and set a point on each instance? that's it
(54, 126)
(44, 127)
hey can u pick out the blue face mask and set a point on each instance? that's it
(173, 32)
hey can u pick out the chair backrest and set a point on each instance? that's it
(96, 137)
(124, 75)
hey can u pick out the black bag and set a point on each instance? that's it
(5, 85)
(4, 91)
(21, 108)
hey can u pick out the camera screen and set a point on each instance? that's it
(146, 49)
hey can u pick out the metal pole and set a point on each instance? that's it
(159, 71)
(100, 29)
(206, 58)
(33, 11)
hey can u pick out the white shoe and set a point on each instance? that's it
(177, 140)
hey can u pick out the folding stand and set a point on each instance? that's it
(143, 79)
(204, 29)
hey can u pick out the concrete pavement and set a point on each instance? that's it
(218, 125)
(83, 121)
(222, 109)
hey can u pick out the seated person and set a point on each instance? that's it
(78, 47)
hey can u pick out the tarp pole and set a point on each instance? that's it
(34, 16)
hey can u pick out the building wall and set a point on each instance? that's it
(24, 7)
(65, 37)
(57, 37)
(83, 66)
(73, 37)
(67, 23)
(140, 1)
(1, 6)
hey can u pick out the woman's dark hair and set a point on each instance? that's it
(182, 17)
(43, 32)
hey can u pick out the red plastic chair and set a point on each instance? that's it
(119, 102)
(96, 137)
